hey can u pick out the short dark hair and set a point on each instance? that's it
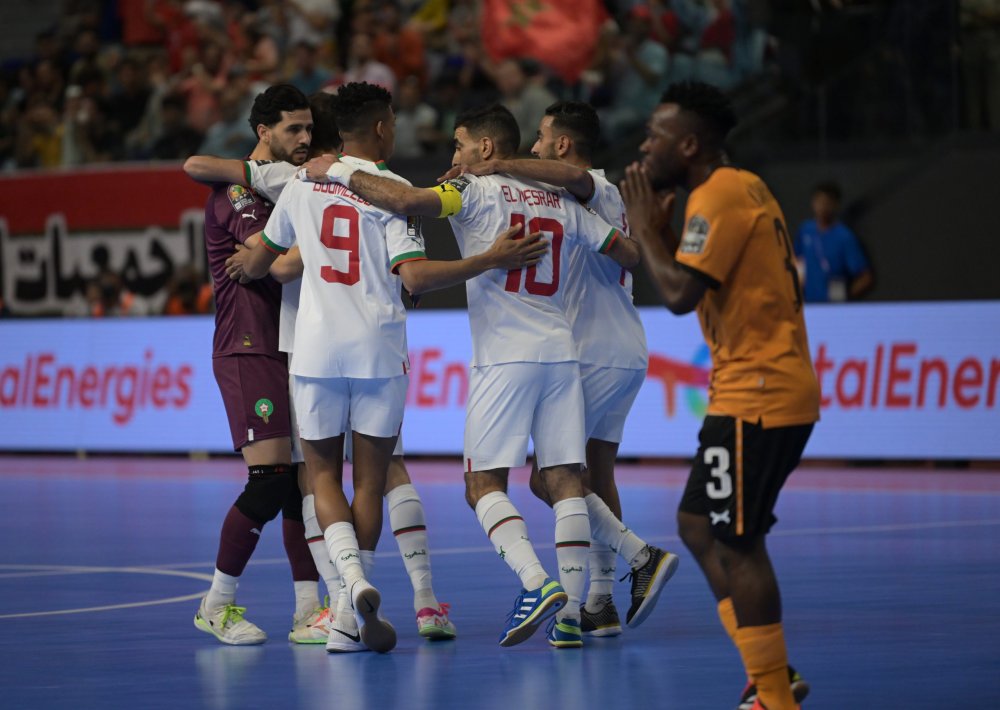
(359, 105)
(712, 107)
(269, 104)
(493, 121)
(830, 189)
(578, 120)
(325, 135)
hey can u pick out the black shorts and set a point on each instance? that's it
(255, 393)
(739, 471)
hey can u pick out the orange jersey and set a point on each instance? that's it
(735, 237)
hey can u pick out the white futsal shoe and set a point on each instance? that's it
(376, 633)
(227, 624)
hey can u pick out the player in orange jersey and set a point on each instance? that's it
(734, 264)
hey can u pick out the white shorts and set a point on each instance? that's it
(297, 456)
(328, 407)
(510, 402)
(349, 446)
(608, 393)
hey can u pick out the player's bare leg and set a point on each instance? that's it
(409, 527)
(268, 463)
(541, 596)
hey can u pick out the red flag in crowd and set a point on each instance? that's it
(561, 34)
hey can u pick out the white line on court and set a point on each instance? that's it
(175, 570)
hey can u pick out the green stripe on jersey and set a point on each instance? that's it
(271, 245)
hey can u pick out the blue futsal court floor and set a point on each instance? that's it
(890, 580)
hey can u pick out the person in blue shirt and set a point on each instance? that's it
(832, 264)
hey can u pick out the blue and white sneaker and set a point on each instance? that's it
(531, 608)
(565, 633)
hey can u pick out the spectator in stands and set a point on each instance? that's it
(415, 121)
(309, 76)
(228, 137)
(523, 92)
(262, 58)
(362, 65)
(203, 85)
(86, 137)
(127, 102)
(39, 136)
(832, 264)
(106, 296)
(638, 71)
(311, 21)
(177, 140)
(188, 292)
(980, 55)
(399, 47)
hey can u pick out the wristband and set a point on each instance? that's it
(341, 173)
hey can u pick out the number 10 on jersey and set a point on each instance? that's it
(547, 226)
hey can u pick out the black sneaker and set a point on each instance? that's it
(603, 622)
(647, 583)
(800, 689)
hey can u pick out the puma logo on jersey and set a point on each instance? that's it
(249, 215)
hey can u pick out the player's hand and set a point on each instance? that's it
(649, 213)
(315, 170)
(235, 264)
(510, 251)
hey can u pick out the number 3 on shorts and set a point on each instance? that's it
(721, 485)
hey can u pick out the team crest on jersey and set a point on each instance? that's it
(695, 236)
(459, 183)
(240, 197)
(413, 227)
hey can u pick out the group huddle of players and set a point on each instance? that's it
(309, 261)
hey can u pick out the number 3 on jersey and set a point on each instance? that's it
(335, 219)
(532, 285)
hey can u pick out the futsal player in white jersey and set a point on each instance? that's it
(406, 512)
(601, 312)
(524, 380)
(350, 366)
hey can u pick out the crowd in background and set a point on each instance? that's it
(162, 79)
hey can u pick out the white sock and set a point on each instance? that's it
(342, 544)
(306, 597)
(506, 529)
(317, 547)
(602, 573)
(572, 550)
(607, 528)
(409, 527)
(223, 590)
(368, 563)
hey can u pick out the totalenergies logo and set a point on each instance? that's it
(690, 377)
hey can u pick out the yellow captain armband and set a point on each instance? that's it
(451, 199)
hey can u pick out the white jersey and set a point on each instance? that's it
(605, 324)
(269, 178)
(351, 320)
(520, 315)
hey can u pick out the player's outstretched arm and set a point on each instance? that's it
(287, 267)
(250, 263)
(625, 251)
(382, 192)
(507, 252)
(576, 180)
(649, 216)
(209, 169)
